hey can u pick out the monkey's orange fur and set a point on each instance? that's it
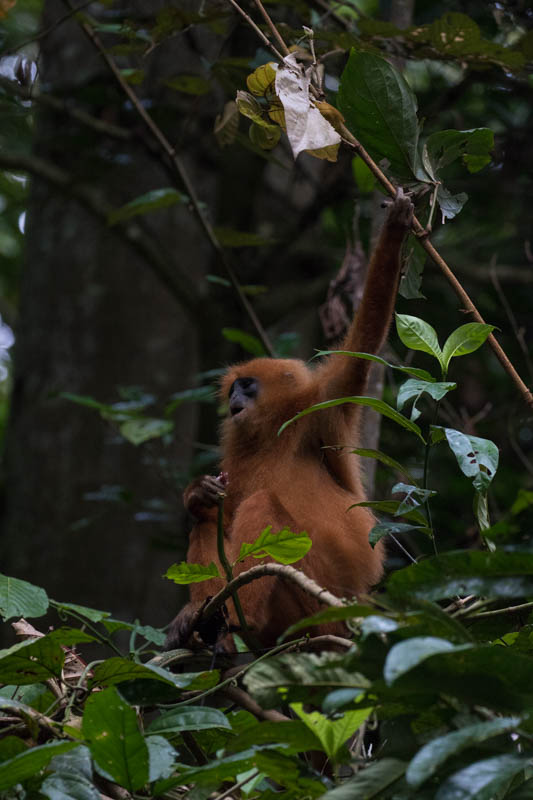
(294, 480)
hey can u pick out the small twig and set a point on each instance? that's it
(237, 786)
(243, 699)
(180, 171)
(245, 630)
(41, 719)
(42, 34)
(518, 332)
(266, 41)
(276, 34)
(192, 745)
(326, 639)
(280, 571)
(508, 610)
(48, 100)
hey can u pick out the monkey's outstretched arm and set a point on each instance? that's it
(343, 375)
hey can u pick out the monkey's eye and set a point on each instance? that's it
(246, 386)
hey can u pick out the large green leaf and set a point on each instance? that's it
(332, 733)
(31, 661)
(284, 546)
(185, 573)
(371, 402)
(30, 762)
(423, 374)
(117, 670)
(478, 458)
(298, 677)
(189, 718)
(142, 429)
(370, 782)
(384, 459)
(162, 758)
(472, 147)
(408, 654)
(428, 760)
(115, 741)
(21, 599)
(92, 614)
(294, 734)
(329, 615)
(69, 786)
(483, 780)
(380, 110)
(414, 388)
(465, 572)
(247, 341)
(151, 201)
(418, 335)
(465, 339)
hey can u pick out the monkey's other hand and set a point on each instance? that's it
(182, 627)
(401, 210)
(203, 493)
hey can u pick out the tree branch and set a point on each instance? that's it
(49, 101)
(131, 233)
(181, 173)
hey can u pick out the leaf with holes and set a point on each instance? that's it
(478, 458)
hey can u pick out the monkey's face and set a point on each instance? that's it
(261, 394)
(242, 395)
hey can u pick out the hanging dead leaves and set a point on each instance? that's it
(280, 98)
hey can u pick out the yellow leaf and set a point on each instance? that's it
(329, 153)
(277, 114)
(227, 124)
(259, 81)
(264, 137)
(332, 114)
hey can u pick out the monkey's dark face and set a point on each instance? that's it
(242, 394)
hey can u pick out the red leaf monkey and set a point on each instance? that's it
(292, 480)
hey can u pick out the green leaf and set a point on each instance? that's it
(429, 759)
(332, 734)
(248, 342)
(69, 786)
(380, 110)
(228, 237)
(483, 780)
(415, 388)
(458, 574)
(294, 734)
(392, 528)
(31, 661)
(406, 655)
(418, 335)
(417, 373)
(30, 762)
(77, 760)
(117, 670)
(370, 782)
(189, 718)
(162, 758)
(384, 459)
(145, 203)
(115, 741)
(189, 84)
(472, 147)
(285, 547)
(21, 599)
(413, 268)
(465, 339)
(91, 614)
(138, 431)
(481, 511)
(391, 507)
(414, 497)
(298, 676)
(450, 204)
(478, 458)
(185, 573)
(378, 405)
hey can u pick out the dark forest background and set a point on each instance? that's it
(141, 313)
